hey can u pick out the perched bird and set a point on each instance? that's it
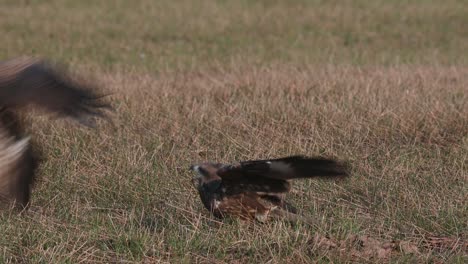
(34, 82)
(255, 190)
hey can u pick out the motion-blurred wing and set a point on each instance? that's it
(27, 81)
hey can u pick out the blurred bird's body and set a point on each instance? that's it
(17, 166)
(255, 190)
(33, 82)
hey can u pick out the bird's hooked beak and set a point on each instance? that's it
(196, 170)
(197, 175)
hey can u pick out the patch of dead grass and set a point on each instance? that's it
(124, 192)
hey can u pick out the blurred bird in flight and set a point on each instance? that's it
(32, 82)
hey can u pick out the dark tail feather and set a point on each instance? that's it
(297, 167)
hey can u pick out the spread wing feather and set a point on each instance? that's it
(260, 185)
(272, 176)
(288, 168)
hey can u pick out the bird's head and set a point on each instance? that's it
(205, 174)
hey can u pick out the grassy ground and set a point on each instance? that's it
(382, 84)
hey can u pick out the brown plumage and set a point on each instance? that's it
(255, 190)
(32, 82)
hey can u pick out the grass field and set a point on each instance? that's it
(383, 84)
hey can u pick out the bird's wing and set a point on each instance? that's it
(236, 180)
(27, 81)
(272, 176)
(287, 168)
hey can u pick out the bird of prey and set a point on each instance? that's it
(255, 190)
(26, 82)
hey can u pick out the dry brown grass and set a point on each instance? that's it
(382, 84)
(125, 193)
